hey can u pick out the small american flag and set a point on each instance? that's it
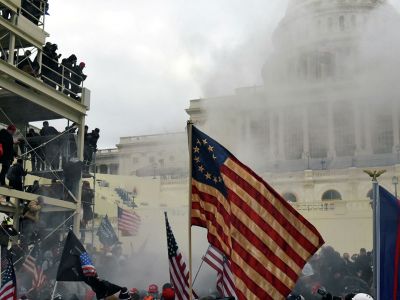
(225, 281)
(8, 289)
(178, 271)
(88, 268)
(128, 222)
(32, 265)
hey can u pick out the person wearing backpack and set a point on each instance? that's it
(16, 174)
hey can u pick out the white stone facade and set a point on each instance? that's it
(321, 117)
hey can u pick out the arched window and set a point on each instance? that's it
(341, 23)
(331, 195)
(290, 197)
(103, 169)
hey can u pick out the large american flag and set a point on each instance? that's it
(178, 271)
(128, 222)
(8, 289)
(220, 263)
(33, 266)
(266, 240)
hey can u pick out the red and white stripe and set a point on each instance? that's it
(225, 280)
(38, 277)
(252, 213)
(8, 291)
(129, 221)
(179, 275)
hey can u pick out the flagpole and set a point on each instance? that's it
(201, 264)
(376, 231)
(54, 290)
(376, 259)
(189, 132)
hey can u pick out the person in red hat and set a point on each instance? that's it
(7, 145)
(168, 294)
(153, 291)
(134, 294)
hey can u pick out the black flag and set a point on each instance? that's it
(70, 268)
(106, 233)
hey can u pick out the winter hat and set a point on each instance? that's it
(168, 294)
(166, 286)
(153, 288)
(134, 291)
(12, 128)
(124, 294)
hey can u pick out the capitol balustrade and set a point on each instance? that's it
(334, 207)
(168, 180)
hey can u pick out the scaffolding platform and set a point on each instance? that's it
(50, 204)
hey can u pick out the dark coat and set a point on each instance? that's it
(6, 139)
(50, 130)
(16, 173)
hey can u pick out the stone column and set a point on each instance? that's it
(357, 128)
(368, 129)
(331, 132)
(272, 135)
(306, 133)
(396, 129)
(281, 133)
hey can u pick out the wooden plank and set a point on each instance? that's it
(30, 197)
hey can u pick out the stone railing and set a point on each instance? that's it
(173, 180)
(339, 206)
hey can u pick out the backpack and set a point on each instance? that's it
(11, 174)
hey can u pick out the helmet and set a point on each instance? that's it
(362, 296)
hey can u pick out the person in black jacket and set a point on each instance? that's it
(7, 142)
(16, 175)
(51, 149)
(77, 78)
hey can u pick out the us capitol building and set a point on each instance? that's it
(328, 109)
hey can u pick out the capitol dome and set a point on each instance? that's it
(318, 40)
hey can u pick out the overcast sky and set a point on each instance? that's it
(146, 59)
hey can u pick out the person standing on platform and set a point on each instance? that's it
(8, 154)
(51, 149)
(16, 174)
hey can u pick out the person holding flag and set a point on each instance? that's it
(106, 233)
(76, 265)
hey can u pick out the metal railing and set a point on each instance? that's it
(33, 12)
(50, 71)
(61, 77)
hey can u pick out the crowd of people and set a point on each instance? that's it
(66, 76)
(327, 273)
(33, 10)
(339, 274)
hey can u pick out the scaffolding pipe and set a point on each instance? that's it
(80, 146)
